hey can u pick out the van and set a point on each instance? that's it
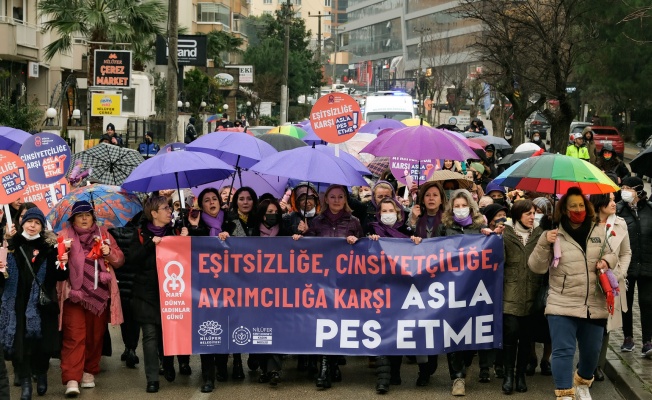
(398, 107)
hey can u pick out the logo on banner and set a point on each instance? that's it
(210, 332)
(174, 284)
(262, 336)
(241, 336)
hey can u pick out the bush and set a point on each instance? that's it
(642, 132)
(298, 112)
(266, 120)
(24, 116)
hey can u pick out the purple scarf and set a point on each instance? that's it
(383, 230)
(422, 225)
(273, 231)
(82, 281)
(333, 218)
(157, 230)
(464, 222)
(214, 223)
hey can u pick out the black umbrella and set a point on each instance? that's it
(642, 163)
(282, 142)
(111, 164)
(515, 157)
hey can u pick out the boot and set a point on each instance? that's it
(582, 387)
(208, 386)
(324, 377)
(565, 394)
(25, 389)
(238, 372)
(509, 359)
(222, 374)
(336, 374)
(423, 379)
(383, 372)
(41, 384)
(131, 359)
(395, 370)
(521, 386)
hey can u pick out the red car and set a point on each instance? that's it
(608, 135)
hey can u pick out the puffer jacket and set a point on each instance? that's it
(639, 226)
(573, 283)
(520, 285)
(346, 225)
(621, 246)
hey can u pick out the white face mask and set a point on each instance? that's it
(461, 212)
(537, 217)
(536, 138)
(309, 213)
(627, 196)
(388, 218)
(365, 194)
(30, 237)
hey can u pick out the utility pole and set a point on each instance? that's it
(335, 30)
(286, 58)
(319, 17)
(421, 32)
(171, 111)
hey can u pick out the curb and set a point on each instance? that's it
(630, 386)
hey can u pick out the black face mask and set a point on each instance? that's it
(481, 210)
(500, 201)
(271, 220)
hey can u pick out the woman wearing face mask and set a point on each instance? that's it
(605, 206)
(587, 133)
(390, 223)
(463, 217)
(536, 139)
(576, 307)
(519, 289)
(608, 161)
(335, 220)
(29, 330)
(381, 190)
(636, 210)
(304, 203)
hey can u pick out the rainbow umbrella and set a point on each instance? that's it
(289, 130)
(555, 173)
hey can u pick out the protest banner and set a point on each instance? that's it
(324, 296)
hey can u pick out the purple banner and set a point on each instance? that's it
(46, 156)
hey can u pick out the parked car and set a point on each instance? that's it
(537, 123)
(608, 135)
(578, 127)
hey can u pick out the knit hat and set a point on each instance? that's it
(110, 126)
(633, 182)
(478, 167)
(80, 207)
(494, 187)
(491, 210)
(490, 147)
(33, 213)
(543, 204)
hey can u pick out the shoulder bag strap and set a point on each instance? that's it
(29, 265)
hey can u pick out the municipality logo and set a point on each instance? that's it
(241, 336)
(210, 333)
(173, 282)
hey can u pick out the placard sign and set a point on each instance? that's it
(46, 156)
(336, 117)
(41, 195)
(13, 175)
(112, 68)
(419, 172)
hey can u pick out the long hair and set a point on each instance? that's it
(560, 209)
(343, 188)
(234, 204)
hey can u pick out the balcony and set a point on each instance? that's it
(19, 40)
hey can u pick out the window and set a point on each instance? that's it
(327, 3)
(294, 2)
(213, 13)
(128, 100)
(267, 1)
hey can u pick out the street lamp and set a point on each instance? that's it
(179, 105)
(50, 113)
(76, 116)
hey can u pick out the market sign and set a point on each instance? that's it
(103, 104)
(191, 50)
(112, 68)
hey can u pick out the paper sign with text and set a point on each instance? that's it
(46, 156)
(336, 117)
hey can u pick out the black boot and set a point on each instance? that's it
(253, 362)
(521, 386)
(383, 373)
(222, 374)
(208, 386)
(324, 377)
(41, 384)
(423, 379)
(25, 389)
(336, 374)
(132, 359)
(395, 370)
(509, 360)
(531, 366)
(238, 372)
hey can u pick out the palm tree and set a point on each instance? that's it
(220, 42)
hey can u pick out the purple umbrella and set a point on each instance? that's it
(235, 148)
(310, 165)
(260, 183)
(378, 125)
(175, 146)
(174, 170)
(11, 139)
(311, 137)
(346, 157)
(420, 143)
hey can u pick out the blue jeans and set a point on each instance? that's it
(567, 333)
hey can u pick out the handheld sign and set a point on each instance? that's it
(336, 117)
(41, 195)
(418, 172)
(46, 156)
(13, 175)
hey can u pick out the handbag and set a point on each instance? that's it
(43, 299)
(541, 297)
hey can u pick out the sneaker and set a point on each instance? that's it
(88, 381)
(628, 344)
(582, 393)
(647, 350)
(72, 389)
(458, 388)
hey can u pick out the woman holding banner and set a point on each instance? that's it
(146, 303)
(335, 220)
(464, 217)
(519, 290)
(574, 255)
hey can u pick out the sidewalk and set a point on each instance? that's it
(630, 373)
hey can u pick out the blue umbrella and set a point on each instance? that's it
(235, 148)
(11, 139)
(310, 165)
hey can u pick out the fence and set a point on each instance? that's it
(136, 129)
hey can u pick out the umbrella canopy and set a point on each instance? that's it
(642, 163)
(234, 148)
(260, 183)
(446, 175)
(354, 145)
(469, 134)
(114, 207)
(310, 165)
(282, 142)
(498, 142)
(420, 143)
(515, 157)
(111, 164)
(233, 129)
(175, 146)
(415, 122)
(378, 125)
(378, 165)
(346, 157)
(555, 173)
(311, 137)
(177, 169)
(213, 118)
(289, 130)
(527, 147)
(470, 143)
(11, 139)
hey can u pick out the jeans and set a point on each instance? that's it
(644, 285)
(568, 333)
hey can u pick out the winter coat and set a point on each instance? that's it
(590, 146)
(578, 152)
(148, 150)
(291, 222)
(126, 274)
(449, 227)
(145, 302)
(520, 285)
(639, 226)
(614, 166)
(573, 283)
(116, 260)
(191, 134)
(346, 225)
(621, 246)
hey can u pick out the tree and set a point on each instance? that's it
(219, 42)
(198, 87)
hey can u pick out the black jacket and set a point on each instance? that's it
(124, 237)
(639, 227)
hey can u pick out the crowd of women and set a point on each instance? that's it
(59, 305)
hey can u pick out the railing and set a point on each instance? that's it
(136, 129)
(25, 33)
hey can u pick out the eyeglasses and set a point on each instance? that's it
(166, 208)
